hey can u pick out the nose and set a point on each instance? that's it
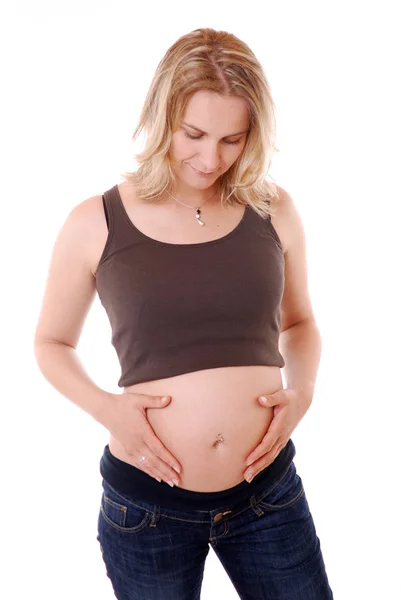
(210, 159)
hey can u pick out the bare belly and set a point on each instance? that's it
(207, 406)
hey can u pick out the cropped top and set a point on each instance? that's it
(177, 308)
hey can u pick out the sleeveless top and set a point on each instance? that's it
(177, 308)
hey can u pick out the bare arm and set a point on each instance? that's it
(61, 366)
(300, 340)
(69, 293)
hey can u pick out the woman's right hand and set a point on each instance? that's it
(127, 422)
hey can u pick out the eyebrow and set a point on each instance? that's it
(200, 130)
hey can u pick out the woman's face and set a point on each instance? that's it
(215, 140)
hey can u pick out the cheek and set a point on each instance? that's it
(234, 155)
(182, 150)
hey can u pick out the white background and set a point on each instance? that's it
(74, 76)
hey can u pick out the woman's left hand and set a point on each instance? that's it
(289, 408)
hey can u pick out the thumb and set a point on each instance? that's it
(267, 400)
(161, 401)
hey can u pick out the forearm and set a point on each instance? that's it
(62, 368)
(300, 347)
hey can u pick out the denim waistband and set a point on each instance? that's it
(139, 485)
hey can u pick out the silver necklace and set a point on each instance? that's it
(197, 208)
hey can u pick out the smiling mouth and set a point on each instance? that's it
(201, 172)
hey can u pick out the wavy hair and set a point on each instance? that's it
(216, 61)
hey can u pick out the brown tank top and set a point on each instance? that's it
(177, 308)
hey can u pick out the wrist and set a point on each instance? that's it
(104, 408)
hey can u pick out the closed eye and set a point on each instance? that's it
(191, 137)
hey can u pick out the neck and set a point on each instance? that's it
(193, 197)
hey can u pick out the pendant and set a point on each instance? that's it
(198, 213)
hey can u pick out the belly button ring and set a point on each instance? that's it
(219, 439)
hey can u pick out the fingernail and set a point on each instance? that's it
(177, 470)
(249, 478)
(158, 479)
(249, 463)
(171, 483)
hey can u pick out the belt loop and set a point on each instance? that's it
(255, 506)
(155, 516)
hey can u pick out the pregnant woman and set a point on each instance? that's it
(200, 265)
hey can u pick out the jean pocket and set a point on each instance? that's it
(284, 493)
(121, 514)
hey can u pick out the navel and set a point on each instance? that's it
(219, 440)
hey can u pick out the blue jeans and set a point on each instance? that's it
(267, 545)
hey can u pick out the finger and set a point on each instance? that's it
(165, 461)
(273, 433)
(263, 462)
(266, 459)
(160, 450)
(155, 467)
(148, 466)
(265, 446)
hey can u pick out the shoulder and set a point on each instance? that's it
(296, 304)
(88, 212)
(287, 219)
(89, 227)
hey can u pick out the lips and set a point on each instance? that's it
(201, 172)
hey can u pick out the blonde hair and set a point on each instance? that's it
(219, 62)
